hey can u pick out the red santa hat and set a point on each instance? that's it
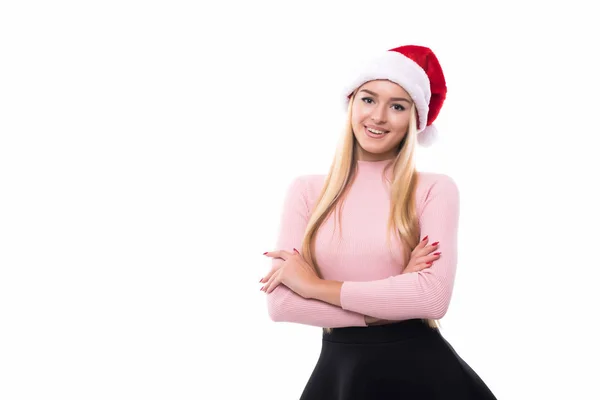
(417, 70)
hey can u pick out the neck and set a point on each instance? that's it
(375, 161)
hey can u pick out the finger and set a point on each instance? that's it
(271, 276)
(433, 247)
(289, 253)
(421, 245)
(273, 286)
(273, 283)
(431, 257)
(271, 272)
(272, 254)
(420, 248)
(268, 283)
(425, 250)
(420, 252)
(426, 259)
(279, 254)
(277, 263)
(420, 267)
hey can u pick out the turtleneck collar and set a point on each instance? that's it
(373, 167)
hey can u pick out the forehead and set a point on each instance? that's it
(386, 88)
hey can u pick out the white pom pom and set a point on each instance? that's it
(427, 136)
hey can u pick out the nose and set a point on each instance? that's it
(378, 114)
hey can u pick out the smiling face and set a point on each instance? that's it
(380, 118)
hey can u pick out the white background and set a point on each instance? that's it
(145, 148)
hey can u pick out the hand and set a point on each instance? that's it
(294, 272)
(420, 256)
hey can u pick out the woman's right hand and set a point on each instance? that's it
(420, 258)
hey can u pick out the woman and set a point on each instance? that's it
(373, 285)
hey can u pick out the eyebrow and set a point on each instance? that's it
(392, 99)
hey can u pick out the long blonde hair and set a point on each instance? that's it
(403, 216)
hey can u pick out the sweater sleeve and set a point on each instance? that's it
(426, 293)
(283, 304)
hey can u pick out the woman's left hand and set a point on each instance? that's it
(294, 272)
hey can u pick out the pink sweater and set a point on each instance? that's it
(371, 274)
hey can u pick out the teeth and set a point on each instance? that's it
(375, 131)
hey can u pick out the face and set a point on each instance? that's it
(380, 118)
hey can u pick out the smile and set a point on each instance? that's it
(375, 133)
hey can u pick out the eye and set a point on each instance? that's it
(367, 100)
(398, 107)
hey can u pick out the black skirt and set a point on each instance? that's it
(404, 360)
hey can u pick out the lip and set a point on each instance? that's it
(372, 136)
(377, 128)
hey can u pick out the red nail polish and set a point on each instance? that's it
(262, 288)
(437, 253)
(296, 251)
(429, 263)
(433, 244)
(265, 253)
(425, 238)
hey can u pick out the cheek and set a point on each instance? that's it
(358, 116)
(400, 122)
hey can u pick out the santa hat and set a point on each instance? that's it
(418, 71)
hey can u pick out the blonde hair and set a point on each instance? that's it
(403, 216)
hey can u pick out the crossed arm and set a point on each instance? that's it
(423, 294)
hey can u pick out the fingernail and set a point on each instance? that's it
(425, 238)
(437, 253)
(433, 244)
(296, 251)
(262, 288)
(261, 280)
(430, 262)
(265, 253)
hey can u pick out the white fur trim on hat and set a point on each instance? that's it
(400, 69)
(427, 136)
